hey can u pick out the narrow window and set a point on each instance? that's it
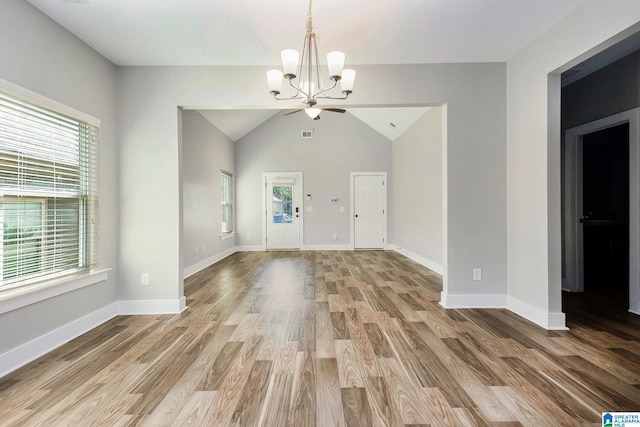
(226, 182)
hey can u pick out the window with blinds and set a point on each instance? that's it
(226, 180)
(48, 194)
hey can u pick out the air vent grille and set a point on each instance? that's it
(307, 134)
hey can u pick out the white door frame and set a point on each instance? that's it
(352, 228)
(275, 175)
(573, 246)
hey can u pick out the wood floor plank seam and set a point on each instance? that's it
(339, 338)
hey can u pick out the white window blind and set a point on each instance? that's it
(48, 194)
(226, 179)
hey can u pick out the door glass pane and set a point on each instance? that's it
(282, 204)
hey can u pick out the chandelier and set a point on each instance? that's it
(309, 87)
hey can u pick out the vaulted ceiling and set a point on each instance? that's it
(252, 32)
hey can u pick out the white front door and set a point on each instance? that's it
(370, 210)
(283, 209)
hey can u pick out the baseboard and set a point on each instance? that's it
(473, 301)
(426, 262)
(193, 269)
(550, 321)
(346, 247)
(250, 248)
(159, 306)
(27, 352)
(254, 248)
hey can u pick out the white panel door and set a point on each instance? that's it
(283, 202)
(370, 211)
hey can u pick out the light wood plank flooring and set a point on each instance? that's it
(329, 339)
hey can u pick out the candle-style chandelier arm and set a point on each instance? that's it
(301, 94)
(335, 83)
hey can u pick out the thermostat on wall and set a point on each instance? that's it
(334, 199)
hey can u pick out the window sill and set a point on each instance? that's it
(14, 299)
(226, 236)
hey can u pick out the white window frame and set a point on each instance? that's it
(228, 204)
(18, 297)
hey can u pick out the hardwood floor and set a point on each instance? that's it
(330, 339)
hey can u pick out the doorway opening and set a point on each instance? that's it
(605, 213)
(601, 236)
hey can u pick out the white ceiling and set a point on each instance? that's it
(390, 122)
(253, 32)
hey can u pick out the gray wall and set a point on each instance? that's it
(608, 91)
(150, 174)
(39, 55)
(534, 272)
(341, 144)
(205, 151)
(417, 188)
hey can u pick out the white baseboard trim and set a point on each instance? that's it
(556, 322)
(193, 269)
(250, 248)
(256, 248)
(426, 262)
(346, 247)
(158, 306)
(550, 321)
(27, 352)
(473, 301)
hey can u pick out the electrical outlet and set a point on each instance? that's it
(477, 274)
(196, 250)
(144, 279)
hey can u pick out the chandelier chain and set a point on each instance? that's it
(309, 19)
